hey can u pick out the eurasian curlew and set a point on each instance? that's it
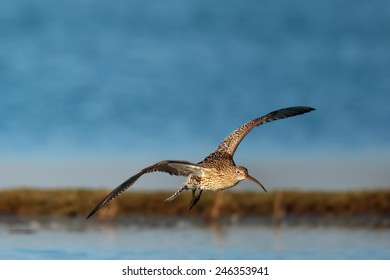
(217, 171)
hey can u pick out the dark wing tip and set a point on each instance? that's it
(90, 214)
(284, 113)
(302, 109)
(100, 205)
(308, 109)
(298, 109)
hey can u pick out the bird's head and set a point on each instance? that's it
(242, 174)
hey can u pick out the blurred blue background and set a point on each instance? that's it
(92, 91)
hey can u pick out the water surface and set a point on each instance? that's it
(183, 239)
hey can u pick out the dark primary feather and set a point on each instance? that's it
(230, 143)
(173, 167)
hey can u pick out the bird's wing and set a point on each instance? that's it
(230, 143)
(173, 167)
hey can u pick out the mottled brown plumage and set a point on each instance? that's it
(217, 171)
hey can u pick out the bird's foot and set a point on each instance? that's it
(192, 203)
(194, 199)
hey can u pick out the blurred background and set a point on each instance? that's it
(92, 91)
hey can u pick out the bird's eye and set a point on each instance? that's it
(238, 171)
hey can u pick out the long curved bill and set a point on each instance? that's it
(254, 180)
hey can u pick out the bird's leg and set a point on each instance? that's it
(194, 199)
(172, 197)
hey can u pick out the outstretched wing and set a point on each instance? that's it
(230, 143)
(173, 167)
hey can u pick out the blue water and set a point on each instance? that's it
(78, 239)
(143, 81)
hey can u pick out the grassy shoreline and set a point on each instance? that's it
(278, 204)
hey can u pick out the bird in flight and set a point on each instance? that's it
(216, 172)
